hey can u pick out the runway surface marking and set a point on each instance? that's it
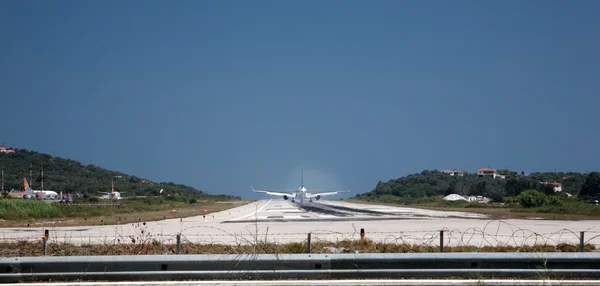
(251, 214)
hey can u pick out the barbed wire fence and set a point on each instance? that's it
(198, 239)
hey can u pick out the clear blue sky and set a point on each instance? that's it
(222, 95)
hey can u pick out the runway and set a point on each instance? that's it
(281, 221)
(329, 211)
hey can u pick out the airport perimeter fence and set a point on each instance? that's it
(199, 239)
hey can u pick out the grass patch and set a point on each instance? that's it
(563, 208)
(24, 209)
(19, 212)
(427, 202)
(566, 207)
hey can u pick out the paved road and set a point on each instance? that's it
(282, 221)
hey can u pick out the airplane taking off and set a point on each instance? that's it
(27, 189)
(302, 192)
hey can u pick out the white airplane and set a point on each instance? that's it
(302, 192)
(27, 189)
(112, 195)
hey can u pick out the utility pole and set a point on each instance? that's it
(31, 175)
(3, 179)
(42, 177)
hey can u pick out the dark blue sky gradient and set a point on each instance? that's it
(224, 94)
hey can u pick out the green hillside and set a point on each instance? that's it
(65, 175)
(433, 183)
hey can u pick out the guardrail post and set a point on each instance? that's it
(178, 243)
(308, 250)
(581, 243)
(362, 233)
(441, 241)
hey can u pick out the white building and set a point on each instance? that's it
(557, 186)
(454, 173)
(489, 172)
(455, 197)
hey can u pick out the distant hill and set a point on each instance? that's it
(432, 183)
(71, 176)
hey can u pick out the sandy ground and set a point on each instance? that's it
(281, 221)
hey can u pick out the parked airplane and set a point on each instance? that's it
(32, 193)
(302, 192)
(112, 195)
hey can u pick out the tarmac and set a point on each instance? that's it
(281, 221)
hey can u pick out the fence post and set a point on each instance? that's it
(309, 242)
(44, 246)
(45, 242)
(178, 243)
(362, 233)
(581, 243)
(441, 241)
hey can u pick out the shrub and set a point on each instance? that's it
(554, 201)
(532, 198)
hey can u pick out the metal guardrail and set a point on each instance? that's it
(322, 266)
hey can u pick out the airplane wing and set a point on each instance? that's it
(273, 193)
(312, 195)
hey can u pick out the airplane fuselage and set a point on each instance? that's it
(302, 193)
(113, 196)
(45, 193)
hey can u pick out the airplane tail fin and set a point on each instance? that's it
(26, 188)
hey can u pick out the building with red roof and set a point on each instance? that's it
(6, 150)
(489, 172)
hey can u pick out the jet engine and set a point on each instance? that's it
(285, 197)
(318, 198)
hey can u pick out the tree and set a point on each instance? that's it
(507, 172)
(449, 191)
(591, 187)
(545, 188)
(512, 187)
(573, 185)
(480, 189)
(497, 196)
(532, 198)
